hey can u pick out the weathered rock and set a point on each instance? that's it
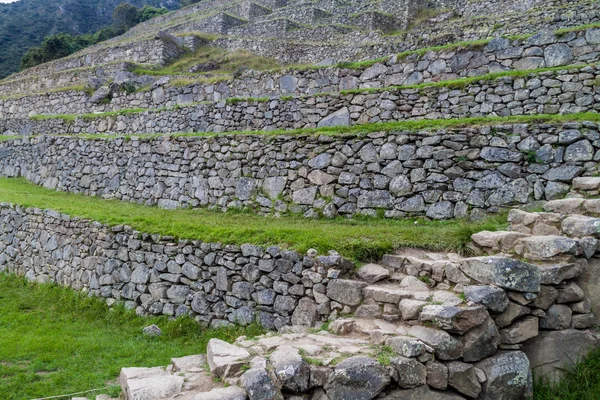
(406, 346)
(372, 273)
(463, 378)
(305, 313)
(493, 298)
(552, 353)
(454, 319)
(421, 393)
(154, 387)
(291, 370)
(512, 312)
(411, 373)
(437, 375)
(346, 291)
(224, 359)
(558, 317)
(508, 376)
(357, 378)
(260, 385)
(338, 118)
(520, 331)
(481, 342)
(504, 272)
(446, 347)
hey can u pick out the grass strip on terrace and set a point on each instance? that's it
(451, 84)
(413, 126)
(55, 341)
(362, 239)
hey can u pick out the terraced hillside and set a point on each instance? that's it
(286, 143)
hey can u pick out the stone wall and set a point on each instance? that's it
(444, 174)
(480, 344)
(539, 51)
(553, 92)
(372, 45)
(217, 284)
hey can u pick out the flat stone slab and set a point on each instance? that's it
(503, 272)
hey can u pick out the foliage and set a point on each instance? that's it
(55, 341)
(361, 238)
(25, 24)
(125, 15)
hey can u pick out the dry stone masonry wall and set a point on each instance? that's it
(426, 326)
(449, 173)
(499, 55)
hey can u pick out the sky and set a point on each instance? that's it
(8, 1)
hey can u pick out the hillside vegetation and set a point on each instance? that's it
(25, 23)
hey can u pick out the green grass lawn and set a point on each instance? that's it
(56, 341)
(361, 239)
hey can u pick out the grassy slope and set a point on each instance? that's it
(55, 341)
(362, 239)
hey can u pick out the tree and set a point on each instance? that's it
(125, 15)
(150, 12)
(185, 3)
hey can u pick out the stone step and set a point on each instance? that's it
(590, 207)
(586, 184)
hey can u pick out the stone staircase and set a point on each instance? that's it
(422, 325)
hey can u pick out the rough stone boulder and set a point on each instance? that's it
(551, 353)
(503, 272)
(357, 378)
(446, 347)
(508, 376)
(372, 273)
(493, 298)
(338, 118)
(225, 359)
(291, 370)
(346, 292)
(260, 385)
(454, 319)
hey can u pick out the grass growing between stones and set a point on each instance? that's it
(56, 341)
(581, 383)
(362, 239)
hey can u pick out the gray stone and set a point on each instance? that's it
(481, 342)
(463, 378)
(558, 54)
(552, 353)
(558, 317)
(406, 346)
(493, 298)
(446, 347)
(454, 319)
(504, 272)
(291, 370)
(228, 393)
(411, 373)
(357, 378)
(508, 376)
(224, 359)
(346, 292)
(421, 393)
(305, 313)
(372, 273)
(338, 118)
(260, 385)
(520, 331)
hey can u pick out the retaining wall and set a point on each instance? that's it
(539, 51)
(443, 174)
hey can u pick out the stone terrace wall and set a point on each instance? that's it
(360, 46)
(217, 284)
(538, 51)
(445, 174)
(565, 92)
(153, 51)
